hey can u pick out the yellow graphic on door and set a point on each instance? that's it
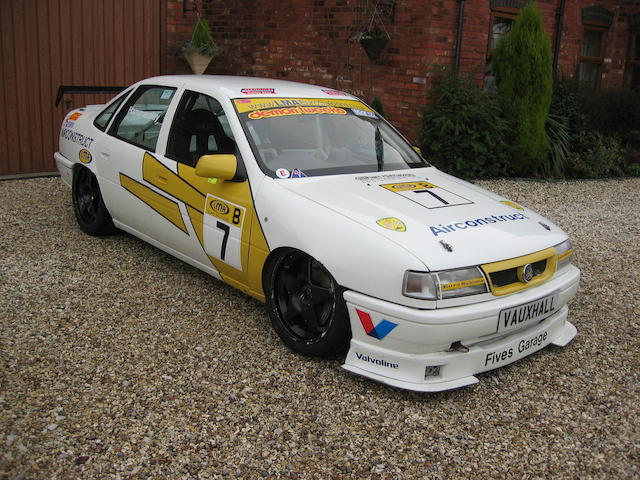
(238, 254)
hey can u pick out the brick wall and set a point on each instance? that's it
(313, 41)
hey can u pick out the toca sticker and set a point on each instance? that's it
(392, 223)
(85, 156)
(258, 91)
(283, 112)
(426, 194)
(296, 173)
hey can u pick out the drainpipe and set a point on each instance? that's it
(558, 37)
(459, 34)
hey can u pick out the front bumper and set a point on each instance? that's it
(416, 353)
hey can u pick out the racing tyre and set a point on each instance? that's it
(91, 213)
(306, 306)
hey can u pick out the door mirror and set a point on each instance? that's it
(224, 167)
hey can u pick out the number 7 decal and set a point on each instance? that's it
(225, 228)
(222, 230)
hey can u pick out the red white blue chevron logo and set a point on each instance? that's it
(379, 331)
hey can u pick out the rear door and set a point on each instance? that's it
(134, 134)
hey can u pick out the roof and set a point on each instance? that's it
(242, 87)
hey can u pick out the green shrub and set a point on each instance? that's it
(616, 112)
(557, 130)
(463, 131)
(596, 156)
(522, 62)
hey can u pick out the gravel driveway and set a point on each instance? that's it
(118, 361)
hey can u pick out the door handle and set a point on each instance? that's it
(162, 179)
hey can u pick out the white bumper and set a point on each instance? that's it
(65, 167)
(422, 338)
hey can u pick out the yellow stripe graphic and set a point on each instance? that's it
(160, 176)
(164, 206)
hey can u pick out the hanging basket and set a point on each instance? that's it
(197, 61)
(373, 47)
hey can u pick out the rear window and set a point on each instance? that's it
(102, 120)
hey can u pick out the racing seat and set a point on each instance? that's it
(199, 133)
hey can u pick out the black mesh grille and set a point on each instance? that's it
(509, 276)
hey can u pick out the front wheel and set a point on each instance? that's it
(306, 306)
(91, 212)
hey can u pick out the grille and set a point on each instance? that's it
(503, 275)
(510, 275)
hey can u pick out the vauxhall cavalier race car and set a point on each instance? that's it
(306, 199)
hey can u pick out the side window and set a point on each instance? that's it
(200, 127)
(102, 120)
(140, 120)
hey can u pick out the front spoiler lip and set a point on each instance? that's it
(457, 369)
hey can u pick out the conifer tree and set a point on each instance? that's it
(522, 63)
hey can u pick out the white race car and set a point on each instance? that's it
(305, 198)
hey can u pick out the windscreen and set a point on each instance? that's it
(305, 137)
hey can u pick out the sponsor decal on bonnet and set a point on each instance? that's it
(478, 222)
(392, 223)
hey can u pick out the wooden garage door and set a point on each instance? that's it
(48, 43)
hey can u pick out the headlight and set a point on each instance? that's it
(565, 253)
(445, 284)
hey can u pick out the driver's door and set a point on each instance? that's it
(217, 216)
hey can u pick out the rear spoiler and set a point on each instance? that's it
(62, 89)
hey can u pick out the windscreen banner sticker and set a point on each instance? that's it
(426, 194)
(244, 105)
(222, 232)
(283, 112)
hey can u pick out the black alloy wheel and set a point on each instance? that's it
(91, 212)
(306, 305)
